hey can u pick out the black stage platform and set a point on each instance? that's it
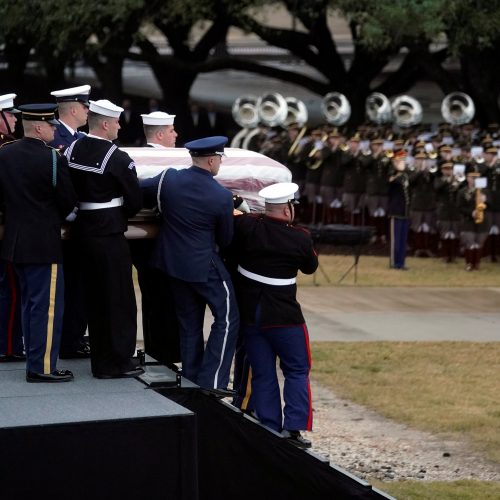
(93, 439)
(148, 439)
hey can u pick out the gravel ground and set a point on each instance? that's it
(373, 447)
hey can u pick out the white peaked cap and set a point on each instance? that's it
(82, 90)
(106, 108)
(7, 101)
(158, 118)
(279, 193)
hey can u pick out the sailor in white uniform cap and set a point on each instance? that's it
(8, 118)
(73, 108)
(159, 130)
(108, 191)
(270, 251)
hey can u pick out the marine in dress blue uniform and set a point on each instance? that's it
(197, 220)
(73, 104)
(11, 335)
(270, 252)
(106, 183)
(399, 211)
(37, 193)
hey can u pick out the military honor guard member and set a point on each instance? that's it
(399, 210)
(37, 193)
(73, 106)
(159, 130)
(106, 183)
(270, 251)
(159, 319)
(11, 335)
(197, 220)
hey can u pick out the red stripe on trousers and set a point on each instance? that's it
(310, 417)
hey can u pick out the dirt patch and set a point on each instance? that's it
(373, 447)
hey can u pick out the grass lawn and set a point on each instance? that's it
(456, 490)
(374, 271)
(451, 387)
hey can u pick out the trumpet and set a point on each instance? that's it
(317, 163)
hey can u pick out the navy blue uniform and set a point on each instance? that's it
(270, 252)
(36, 190)
(197, 220)
(399, 213)
(74, 317)
(103, 176)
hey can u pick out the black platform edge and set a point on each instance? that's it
(238, 454)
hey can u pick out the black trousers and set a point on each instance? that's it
(110, 302)
(75, 315)
(159, 319)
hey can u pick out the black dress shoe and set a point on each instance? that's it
(6, 358)
(296, 439)
(130, 374)
(82, 352)
(55, 376)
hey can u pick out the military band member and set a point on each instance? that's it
(315, 152)
(492, 173)
(73, 106)
(11, 335)
(422, 206)
(377, 186)
(159, 130)
(332, 180)
(197, 220)
(399, 210)
(106, 183)
(296, 153)
(474, 230)
(37, 193)
(270, 252)
(354, 197)
(447, 187)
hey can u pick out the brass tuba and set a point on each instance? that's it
(336, 108)
(272, 109)
(458, 108)
(378, 108)
(406, 111)
(244, 111)
(296, 112)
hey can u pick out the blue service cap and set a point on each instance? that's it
(39, 112)
(208, 146)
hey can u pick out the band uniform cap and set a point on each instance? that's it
(39, 112)
(158, 118)
(448, 164)
(446, 148)
(421, 155)
(282, 192)
(80, 94)
(378, 140)
(400, 155)
(472, 174)
(208, 146)
(399, 143)
(105, 108)
(493, 150)
(7, 103)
